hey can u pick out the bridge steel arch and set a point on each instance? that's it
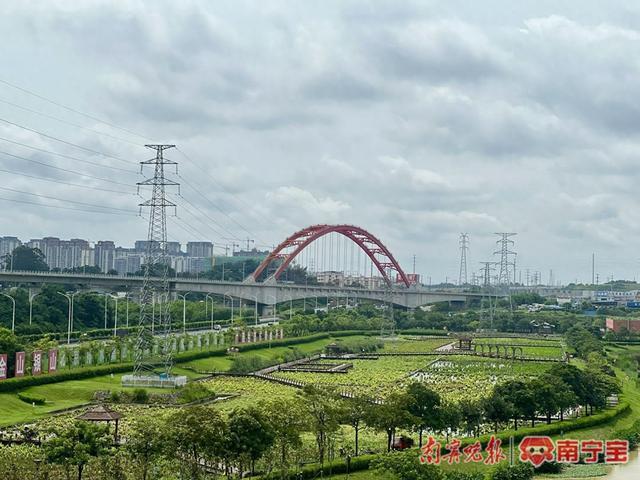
(371, 245)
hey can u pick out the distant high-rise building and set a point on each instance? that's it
(105, 253)
(72, 253)
(8, 245)
(173, 248)
(254, 252)
(199, 249)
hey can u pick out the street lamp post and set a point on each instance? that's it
(69, 297)
(256, 307)
(275, 305)
(31, 297)
(184, 311)
(230, 298)
(208, 297)
(115, 323)
(13, 316)
(106, 306)
(126, 299)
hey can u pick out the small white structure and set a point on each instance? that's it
(157, 381)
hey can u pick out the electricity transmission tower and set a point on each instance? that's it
(487, 268)
(504, 243)
(464, 246)
(156, 270)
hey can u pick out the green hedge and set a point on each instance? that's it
(14, 384)
(32, 398)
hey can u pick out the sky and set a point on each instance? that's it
(415, 120)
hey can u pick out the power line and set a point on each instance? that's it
(240, 200)
(58, 104)
(63, 155)
(64, 200)
(210, 219)
(66, 122)
(51, 137)
(44, 179)
(64, 208)
(219, 209)
(64, 169)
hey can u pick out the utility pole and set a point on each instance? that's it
(156, 272)
(464, 246)
(504, 243)
(486, 272)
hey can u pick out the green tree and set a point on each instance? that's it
(145, 443)
(472, 415)
(249, 436)
(354, 412)
(497, 409)
(288, 420)
(76, 444)
(9, 344)
(25, 258)
(195, 434)
(323, 408)
(520, 397)
(551, 395)
(424, 405)
(391, 415)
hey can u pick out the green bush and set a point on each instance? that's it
(520, 471)
(140, 395)
(405, 465)
(193, 392)
(464, 476)
(114, 397)
(32, 398)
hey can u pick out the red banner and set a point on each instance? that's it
(36, 367)
(53, 360)
(3, 366)
(20, 357)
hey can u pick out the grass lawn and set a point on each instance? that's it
(63, 395)
(223, 364)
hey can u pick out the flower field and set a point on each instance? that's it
(454, 377)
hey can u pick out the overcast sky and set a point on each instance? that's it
(414, 120)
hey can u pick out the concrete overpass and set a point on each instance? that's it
(264, 294)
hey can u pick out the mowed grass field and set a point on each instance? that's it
(62, 395)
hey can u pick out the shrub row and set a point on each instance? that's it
(14, 384)
(32, 398)
(363, 462)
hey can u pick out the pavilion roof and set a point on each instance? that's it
(100, 413)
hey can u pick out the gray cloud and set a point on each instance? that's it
(413, 119)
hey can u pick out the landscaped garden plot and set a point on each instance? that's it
(408, 344)
(468, 377)
(249, 390)
(531, 347)
(454, 377)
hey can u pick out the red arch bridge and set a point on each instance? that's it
(262, 286)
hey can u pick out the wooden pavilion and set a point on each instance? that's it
(102, 413)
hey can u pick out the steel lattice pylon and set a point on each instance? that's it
(464, 246)
(156, 278)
